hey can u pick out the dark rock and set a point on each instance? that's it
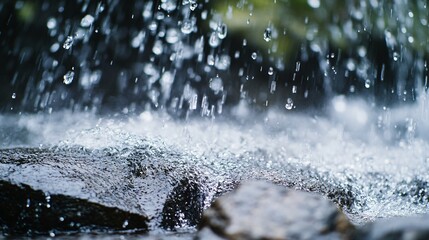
(410, 228)
(260, 210)
(61, 190)
(25, 210)
(183, 207)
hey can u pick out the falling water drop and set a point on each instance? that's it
(68, 77)
(267, 34)
(289, 104)
(314, 3)
(214, 40)
(13, 95)
(367, 83)
(222, 31)
(187, 26)
(270, 71)
(254, 55)
(172, 35)
(216, 84)
(193, 5)
(87, 21)
(168, 5)
(68, 43)
(157, 47)
(52, 23)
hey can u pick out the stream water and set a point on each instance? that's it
(183, 75)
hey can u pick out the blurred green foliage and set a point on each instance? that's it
(343, 24)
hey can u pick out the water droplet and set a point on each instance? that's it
(289, 104)
(210, 60)
(223, 62)
(68, 77)
(87, 21)
(270, 71)
(361, 51)
(351, 66)
(125, 224)
(54, 47)
(367, 83)
(395, 56)
(193, 5)
(138, 40)
(187, 26)
(267, 34)
(61, 219)
(294, 89)
(172, 36)
(216, 84)
(222, 31)
(68, 43)
(157, 47)
(254, 55)
(153, 26)
(13, 95)
(52, 23)
(314, 3)
(214, 40)
(168, 5)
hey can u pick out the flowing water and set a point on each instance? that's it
(184, 73)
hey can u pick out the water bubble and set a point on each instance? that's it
(68, 43)
(254, 55)
(168, 5)
(214, 40)
(289, 104)
(68, 77)
(267, 34)
(314, 3)
(187, 26)
(216, 84)
(52, 23)
(87, 21)
(172, 36)
(270, 71)
(13, 95)
(222, 31)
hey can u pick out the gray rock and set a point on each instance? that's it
(260, 210)
(406, 228)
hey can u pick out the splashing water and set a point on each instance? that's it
(153, 64)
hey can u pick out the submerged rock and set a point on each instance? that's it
(260, 210)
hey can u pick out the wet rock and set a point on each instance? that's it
(25, 210)
(260, 210)
(63, 190)
(410, 228)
